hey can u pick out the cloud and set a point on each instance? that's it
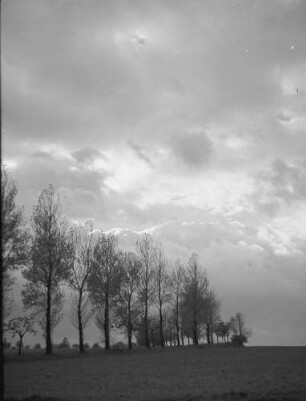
(86, 155)
(193, 148)
(282, 182)
(141, 153)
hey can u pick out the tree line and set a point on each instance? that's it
(153, 299)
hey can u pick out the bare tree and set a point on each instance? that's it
(20, 326)
(162, 288)
(84, 241)
(177, 280)
(52, 255)
(104, 282)
(147, 251)
(128, 310)
(194, 293)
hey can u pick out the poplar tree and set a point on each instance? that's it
(51, 259)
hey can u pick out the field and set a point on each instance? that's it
(186, 374)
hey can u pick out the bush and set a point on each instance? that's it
(95, 346)
(238, 340)
(37, 346)
(86, 346)
(64, 344)
(75, 346)
(118, 345)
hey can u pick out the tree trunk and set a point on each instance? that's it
(182, 338)
(80, 323)
(161, 332)
(20, 345)
(129, 324)
(146, 325)
(48, 322)
(177, 322)
(106, 322)
(208, 333)
(195, 332)
(152, 337)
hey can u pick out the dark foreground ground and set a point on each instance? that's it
(187, 374)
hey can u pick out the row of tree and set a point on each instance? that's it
(141, 292)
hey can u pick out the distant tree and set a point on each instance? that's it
(162, 288)
(178, 280)
(52, 256)
(128, 309)
(104, 282)
(240, 332)
(20, 326)
(147, 252)
(83, 240)
(195, 291)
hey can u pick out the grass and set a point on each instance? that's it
(172, 374)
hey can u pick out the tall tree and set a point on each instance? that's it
(177, 280)
(84, 240)
(195, 290)
(162, 288)
(147, 252)
(104, 282)
(14, 238)
(128, 310)
(52, 256)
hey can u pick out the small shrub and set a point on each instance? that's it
(37, 346)
(95, 346)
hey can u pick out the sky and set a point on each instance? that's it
(184, 119)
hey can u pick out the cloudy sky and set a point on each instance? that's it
(184, 118)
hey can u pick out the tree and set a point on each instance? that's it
(240, 332)
(15, 237)
(80, 315)
(128, 310)
(104, 282)
(193, 299)
(52, 256)
(14, 245)
(147, 251)
(20, 326)
(84, 241)
(162, 286)
(177, 280)
(211, 314)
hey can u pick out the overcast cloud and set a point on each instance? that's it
(185, 118)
